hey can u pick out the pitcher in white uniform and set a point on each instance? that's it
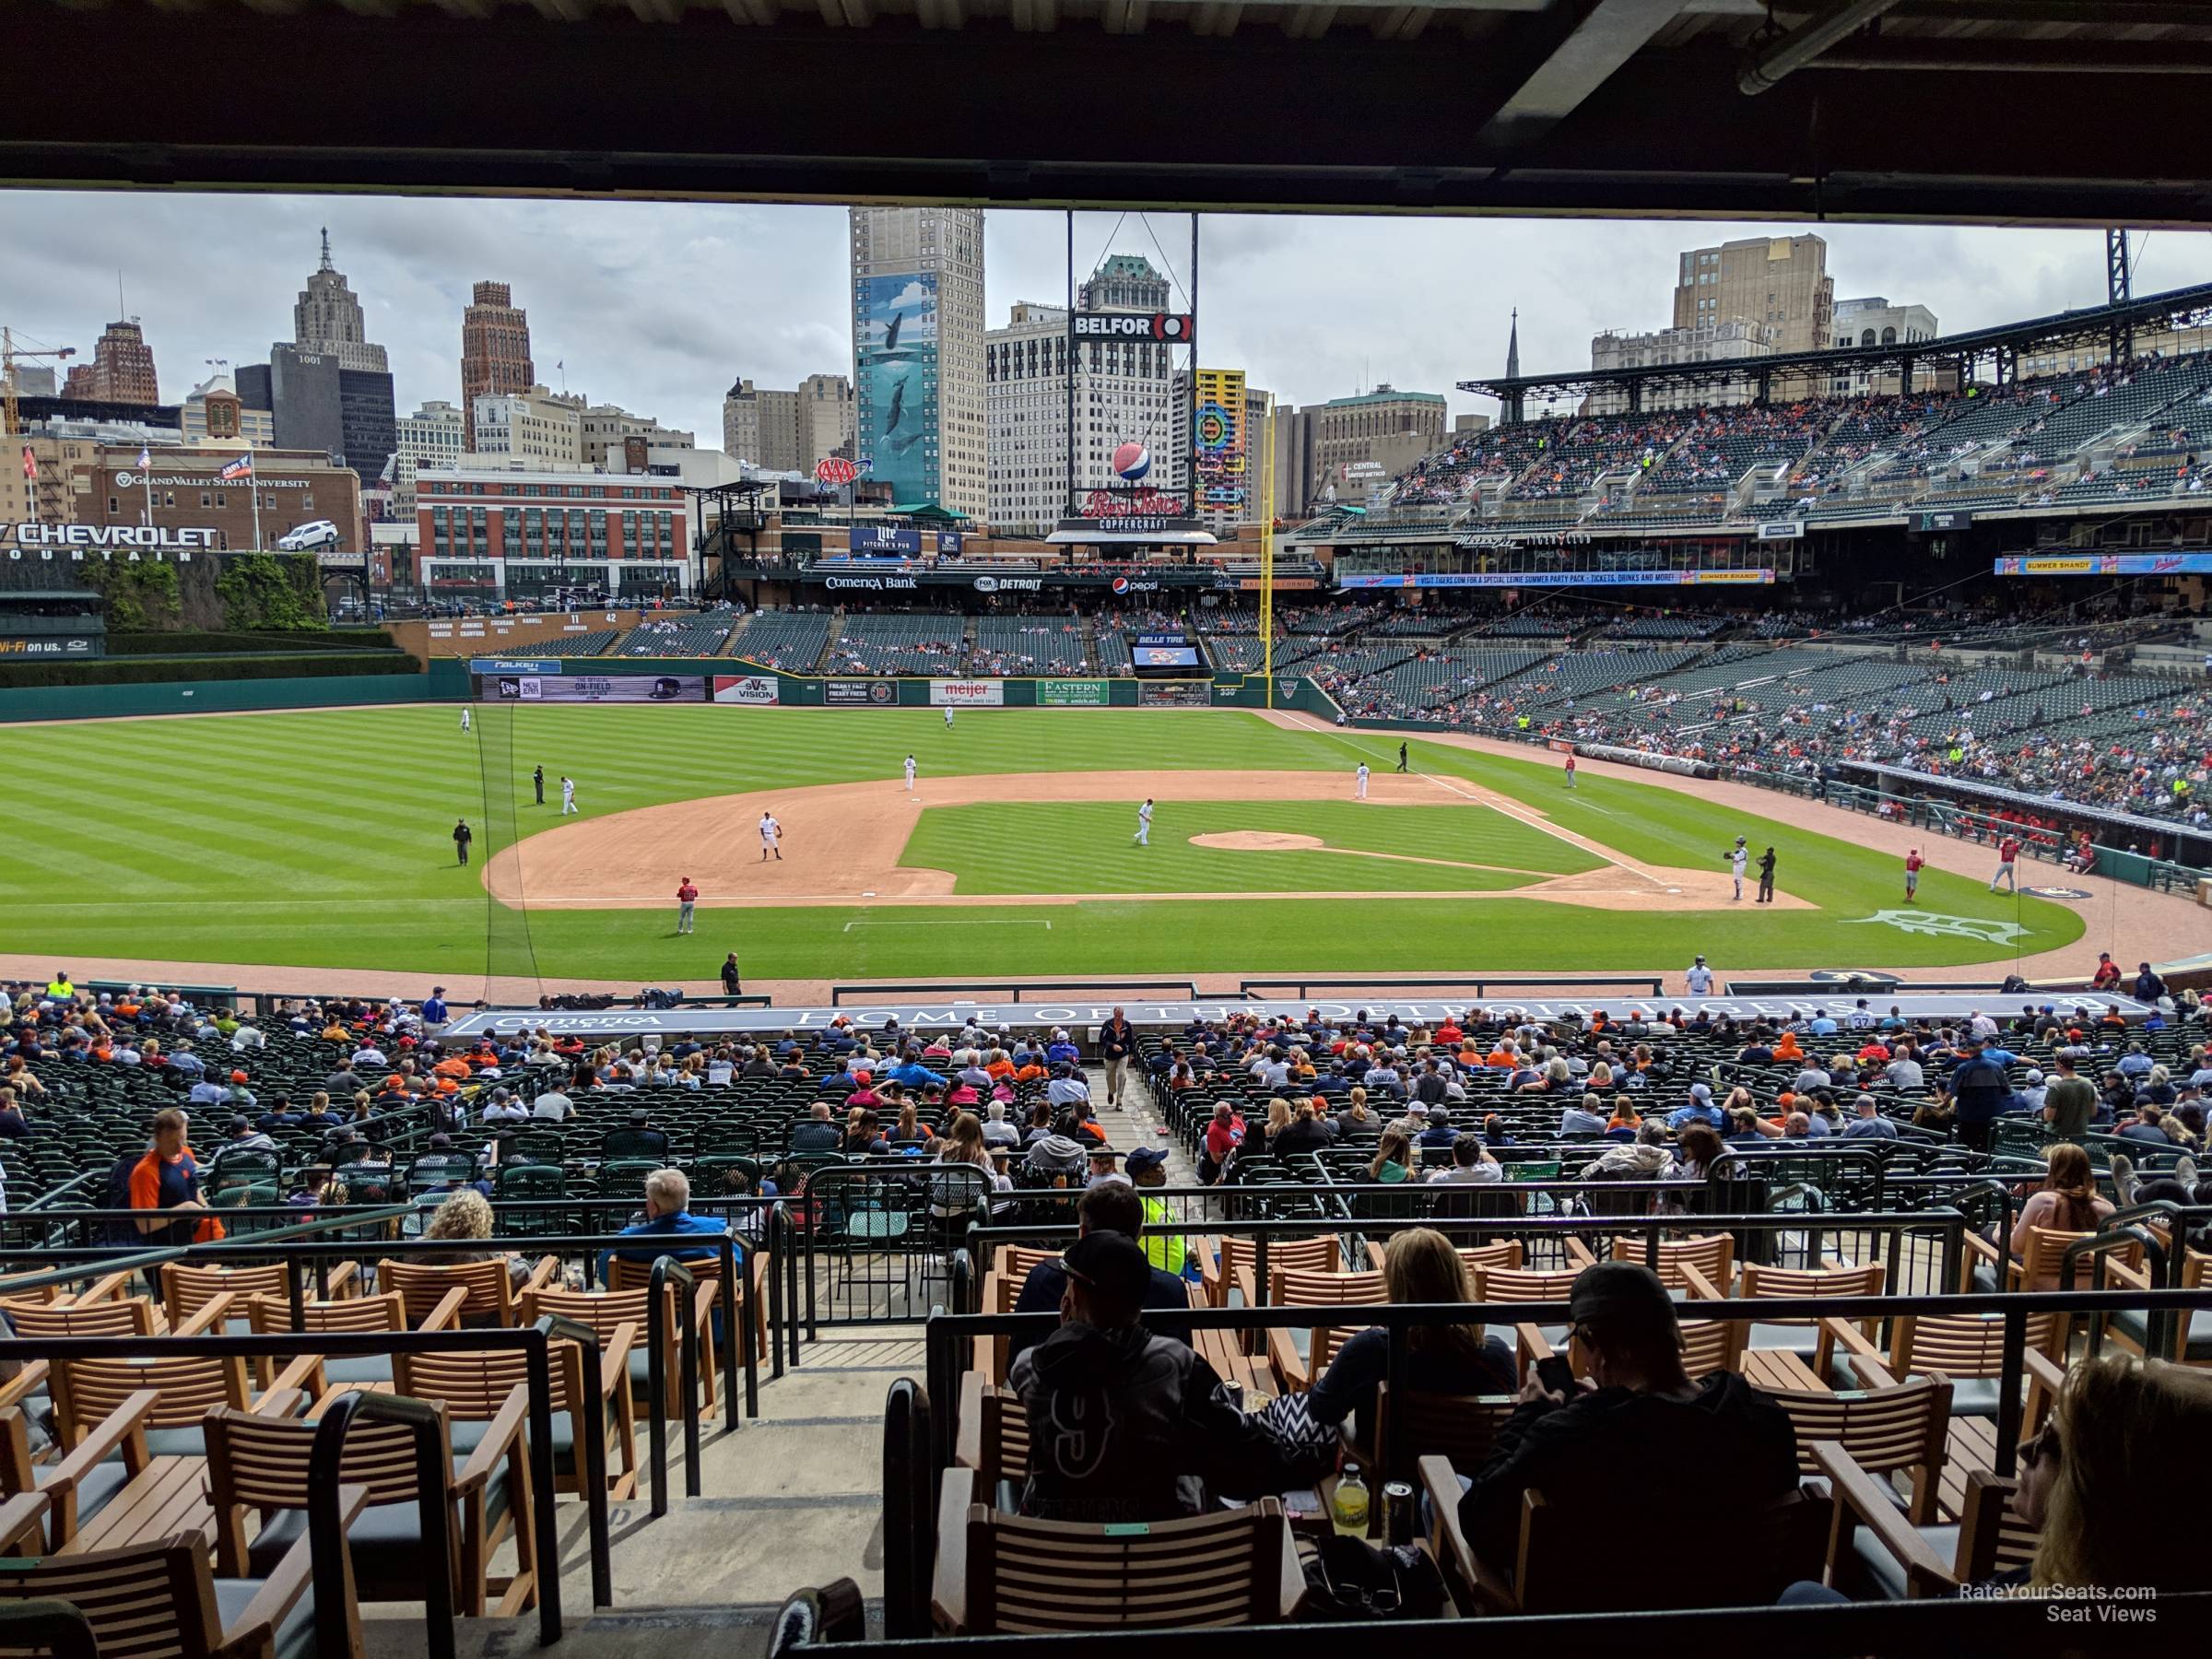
(910, 772)
(1144, 823)
(1359, 790)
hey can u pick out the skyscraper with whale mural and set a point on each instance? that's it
(917, 279)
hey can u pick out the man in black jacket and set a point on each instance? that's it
(1111, 1206)
(1722, 1445)
(1126, 1425)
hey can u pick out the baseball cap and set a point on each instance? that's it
(1143, 1158)
(1698, 1091)
(1623, 1297)
(1113, 1266)
(238, 1077)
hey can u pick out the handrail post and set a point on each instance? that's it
(2010, 1382)
(656, 1379)
(1397, 1430)
(686, 1344)
(538, 1360)
(331, 1561)
(736, 1329)
(776, 1237)
(899, 1541)
(943, 1385)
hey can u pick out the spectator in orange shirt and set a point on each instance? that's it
(999, 1065)
(452, 1065)
(166, 1181)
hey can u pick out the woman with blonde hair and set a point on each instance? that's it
(1356, 1119)
(2066, 1202)
(1420, 1267)
(2115, 1450)
(1279, 1119)
(1393, 1156)
(466, 1214)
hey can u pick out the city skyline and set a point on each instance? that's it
(658, 307)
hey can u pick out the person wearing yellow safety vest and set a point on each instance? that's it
(59, 988)
(1148, 1166)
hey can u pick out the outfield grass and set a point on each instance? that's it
(321, 839)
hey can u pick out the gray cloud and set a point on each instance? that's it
(659, 306)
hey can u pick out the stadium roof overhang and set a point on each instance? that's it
(2091, 324)
(2002, 111)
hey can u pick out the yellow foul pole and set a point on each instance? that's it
(1267, 552)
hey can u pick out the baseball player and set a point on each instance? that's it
(1401, 756)
(772, 832)
(1700, 978)
(567, 795)
(686, 896)
(1359, 783)
(1766, 876)
(2009, 849)
(1570, 769)
(1144, 823)
(949, 717)
(464, 719)
(910, 774)
(1912, 864)
(537, 782)
(1738, 859)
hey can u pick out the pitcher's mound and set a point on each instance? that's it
(1258, 841)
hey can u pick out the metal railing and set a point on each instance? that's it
(326, 1532)
(535, 1342)
(966, 990)
(1358, 984)
(664, 1269)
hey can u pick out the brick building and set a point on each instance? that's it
(121, 371)
(495, 350)
(526, 533)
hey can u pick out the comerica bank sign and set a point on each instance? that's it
(76, 543)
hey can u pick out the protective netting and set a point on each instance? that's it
(510, 977)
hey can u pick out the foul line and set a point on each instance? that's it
(945, 922)
(1504, 804)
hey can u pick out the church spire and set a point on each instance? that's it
(326, 265)
(1513, 348)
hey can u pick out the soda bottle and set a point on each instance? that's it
(1347, 1509)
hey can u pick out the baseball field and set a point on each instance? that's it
(323, 839)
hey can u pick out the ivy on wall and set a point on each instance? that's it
(262, 591)
(136, 597)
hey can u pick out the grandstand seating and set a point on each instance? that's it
(791, 640)
(898, 643)
(700, 636)
(587, 644)
(1022, 644)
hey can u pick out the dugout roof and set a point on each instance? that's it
(2086, 112)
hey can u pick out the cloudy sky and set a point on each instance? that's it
(659, 307)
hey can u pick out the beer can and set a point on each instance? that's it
(1398, 1512)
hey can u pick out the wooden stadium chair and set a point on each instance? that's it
(77, 1486)
(993, 1438)
(1226, 1263)
(1712, 1254)
(386, 1312)
(1989, 1267)
(1767, 1548)
(475, 1387)
(1017, 1262)
(752, 1291)
(1966, 1348)
(1813, 1340)
(1288, 1288)
(608, 1312)
(2191, 1334)
(68, 1316)
(1504, 1253)
(1887, 1432)
(1006, 1573)
(261, 1464)
(1460, 1427)
(493, 1294)
(163, 1598)
(1531, 1342)
(1873, 1546)
(185, 1289)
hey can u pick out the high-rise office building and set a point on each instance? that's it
(1778, 282)
(121, 371)
(531, 429)
(762, 426)
(327, 318)
(495, 350)
(427, 441)
(921, 425)
(1125, 393)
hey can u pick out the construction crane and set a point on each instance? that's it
(11, 424)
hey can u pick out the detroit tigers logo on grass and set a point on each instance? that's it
(1988, 930)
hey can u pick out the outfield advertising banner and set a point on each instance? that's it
(1175, 694)
(599, 687)
(875, 693)
(2106, 564)
(1073, 694)
(1514, 579)
(967, 694)
(757, 689)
